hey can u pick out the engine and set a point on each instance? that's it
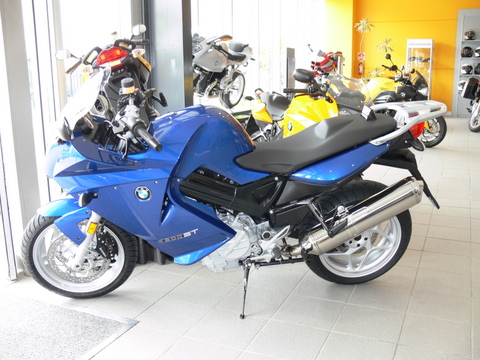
(251, 240)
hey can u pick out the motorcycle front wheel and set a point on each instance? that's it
(434, 132)
(474, 123)
(232, 96)
(48, 255)
(371, 253)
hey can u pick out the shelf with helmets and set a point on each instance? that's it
(467, 59)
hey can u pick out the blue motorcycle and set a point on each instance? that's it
(193, 185)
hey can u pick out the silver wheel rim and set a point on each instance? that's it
(52, 251)
(432, 133)
(235, 90)
(475, 119)
(366, 253)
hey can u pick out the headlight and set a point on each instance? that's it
(423, 91)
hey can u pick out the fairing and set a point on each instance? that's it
(193, 138)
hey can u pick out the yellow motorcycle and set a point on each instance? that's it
(275, 116)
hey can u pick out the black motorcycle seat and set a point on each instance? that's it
(315, 143)
(236, 57)
(236, 46)
(276, 104)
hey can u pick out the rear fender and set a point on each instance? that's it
(70, 214)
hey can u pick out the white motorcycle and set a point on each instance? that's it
(216, 68)
(471, 90)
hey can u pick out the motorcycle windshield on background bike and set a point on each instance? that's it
(339, 83)
(350, 94)
(81, 103)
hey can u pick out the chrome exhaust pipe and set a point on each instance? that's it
(365, 215)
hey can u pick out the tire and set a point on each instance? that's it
(46, 252)
(474, 122)
(434, 132)
(235, 91)
(368, 255)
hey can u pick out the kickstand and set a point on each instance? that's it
(247, 265)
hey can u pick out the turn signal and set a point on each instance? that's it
(112, 56)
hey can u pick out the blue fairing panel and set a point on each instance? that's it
(337, 168)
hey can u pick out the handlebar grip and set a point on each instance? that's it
(141, 131)
(295, 91)
(141, 42)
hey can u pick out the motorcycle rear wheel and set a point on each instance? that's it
(368, 255)
(47, 251)
(235, 92)
(474, 122)
(434, 132)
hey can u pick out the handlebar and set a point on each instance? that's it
(297, 91)
(140, 131)
(136, 126)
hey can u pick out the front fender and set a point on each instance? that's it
(70, 214)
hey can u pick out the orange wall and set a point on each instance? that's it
(411, 19)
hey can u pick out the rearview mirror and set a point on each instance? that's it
(388, 56)
(63, 54)
(138, 29)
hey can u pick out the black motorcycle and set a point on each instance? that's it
(125, 58)
(413, 86)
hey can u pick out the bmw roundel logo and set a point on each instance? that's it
(143, 193)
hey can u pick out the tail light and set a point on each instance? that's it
(112, 56)
(417, 130)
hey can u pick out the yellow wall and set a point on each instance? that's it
(412, 19)
(338, 26)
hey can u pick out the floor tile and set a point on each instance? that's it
(260, 302)
(413, 353)
(386, 297)
(300, 342)
(443, 282)
(449, 337)
(225, 328)
(446, 262)
(448, 233)
(449, 247)
(346, 347)
(299, 309)
(201, 292)
(192, 349)
(137, 344)
(370, 322)
(172, 316)
(312, 285)
(441, 306)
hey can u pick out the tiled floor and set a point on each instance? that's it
(426, 307)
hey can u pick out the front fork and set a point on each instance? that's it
(83, 248)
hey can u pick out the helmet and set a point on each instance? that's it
(461, 85)
(469, 35)
(477, 52)
(467, 69)
(476, 69)
(467, 51)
